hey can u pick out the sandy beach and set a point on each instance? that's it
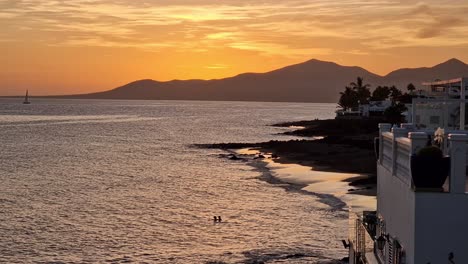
(330, 148)
(333, 188)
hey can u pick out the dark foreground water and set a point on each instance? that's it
(118, 182)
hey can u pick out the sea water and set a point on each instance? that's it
(90, 181)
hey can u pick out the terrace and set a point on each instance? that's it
(407, 228)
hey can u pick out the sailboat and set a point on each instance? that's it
(26, 98)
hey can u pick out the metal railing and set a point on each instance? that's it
(359, 237)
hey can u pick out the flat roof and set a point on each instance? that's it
(445, 82)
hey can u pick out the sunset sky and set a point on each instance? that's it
(80, 46)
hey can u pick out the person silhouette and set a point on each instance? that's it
(219, 219)
(215, 219)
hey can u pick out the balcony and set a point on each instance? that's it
(421, 224)
(362, 231)
(397, 145)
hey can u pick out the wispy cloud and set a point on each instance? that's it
(217, 66)
(271, 27)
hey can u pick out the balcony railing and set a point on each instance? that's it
(362, 236)
(398, 144)
(396, 149)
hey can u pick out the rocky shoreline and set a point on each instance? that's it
(331, 145)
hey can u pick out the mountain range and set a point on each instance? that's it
(311, 81)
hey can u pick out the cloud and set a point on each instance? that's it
(438, 27)
(222, 35)
(271, 27)
(217, 66)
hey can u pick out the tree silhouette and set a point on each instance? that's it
(348, 99)
(393, 114)
(380, 93)
(395, 93)
(362, 90)
(356, 93)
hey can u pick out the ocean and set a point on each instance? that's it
(95, 181)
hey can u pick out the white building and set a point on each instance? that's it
(442, 106)
(414, 224)
(371, 109)
(374, 108)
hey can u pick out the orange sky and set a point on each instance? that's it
(80, 46)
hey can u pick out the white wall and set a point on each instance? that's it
(428, 225)
(441, 227)
(395, 203)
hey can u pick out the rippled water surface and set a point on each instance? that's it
(119, 182)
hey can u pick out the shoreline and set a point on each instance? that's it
(317, 156)
(330, 188)
(326, 146)
(268, 175)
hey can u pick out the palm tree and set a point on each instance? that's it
(362, 90)
(348, 99)
(395, 94)
(381, 93)
(359, 84)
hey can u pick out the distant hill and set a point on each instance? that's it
(450, 69)
(311, 81)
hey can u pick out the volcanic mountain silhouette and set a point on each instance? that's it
(311, 81)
